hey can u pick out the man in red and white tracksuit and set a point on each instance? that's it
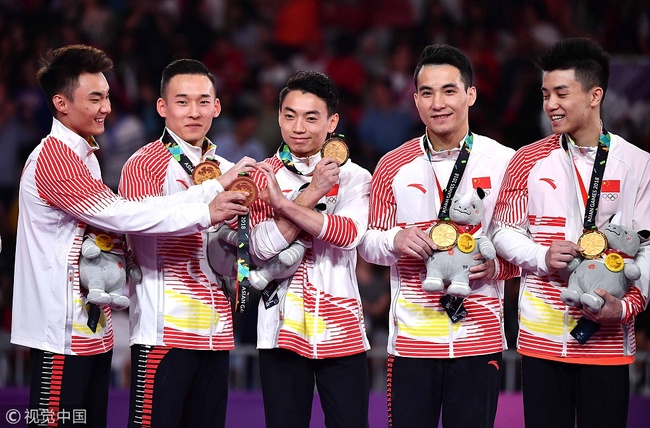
(61, 193)
(437, 366)
(554, 190)
(180, 319)
(314, 333)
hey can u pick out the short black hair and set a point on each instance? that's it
(60, 69)
(185, 66)
(443, 54)
(586, 57)
(313, 82)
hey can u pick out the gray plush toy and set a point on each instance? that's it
(104, 268)
(451, 266)
(222, 257)
(612, 271)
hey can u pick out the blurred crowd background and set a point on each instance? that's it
(369, 47)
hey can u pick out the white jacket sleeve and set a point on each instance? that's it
(377, 247)
(517, 248)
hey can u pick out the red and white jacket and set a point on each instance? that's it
(319, 314)
(541, 201)
(405, 194)
(61, 192)
(179, 302)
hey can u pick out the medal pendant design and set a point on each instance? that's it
(466, 243)
(104, 242)
(444, 235)
(614, 262)
(336, 148)
(205, 171)
(593, 243)
(245, 184)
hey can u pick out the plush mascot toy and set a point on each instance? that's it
(222, 257)
(611, 269)
(104, 268)
(458, 241)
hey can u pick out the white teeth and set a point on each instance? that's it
(556, 117)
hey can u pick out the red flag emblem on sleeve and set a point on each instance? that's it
(482, 182)
(613, 186)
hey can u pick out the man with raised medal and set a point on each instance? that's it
(310, 325)
(181, 319)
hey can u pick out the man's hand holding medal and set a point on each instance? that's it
(241, 190)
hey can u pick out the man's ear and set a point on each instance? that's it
(161, 107)
(596, 95)
(60, 103)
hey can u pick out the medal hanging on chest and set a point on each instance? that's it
(593, 242)
(445, 233)
(206, 170)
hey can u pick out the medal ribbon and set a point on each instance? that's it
(591, 197)
(243, 262)
(284, 153)
(452, 305)
(620, 253)
(471, 229)
(177, 152)
(456, 173)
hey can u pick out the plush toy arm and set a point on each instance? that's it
(632, 271)
(486, 248)
(227, 235)
(133, 271)
(89, 249)
(573, 264)
(279, 267)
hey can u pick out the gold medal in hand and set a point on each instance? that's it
(336, 148)
(244, 183)
(444, 235)
(593, 243)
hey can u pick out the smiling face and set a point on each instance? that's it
(188, 106)
(86, 111)
(443, 104)
(304, 123)
(570, 108)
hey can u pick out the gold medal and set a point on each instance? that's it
(614, 262)
(245, 184)
(444, 235)
(593, 244)
(335, 148)
(205, 171)
(466, 243)
(104, 242)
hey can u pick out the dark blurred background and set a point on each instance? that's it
(369, 47)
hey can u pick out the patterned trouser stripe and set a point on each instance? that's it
(50, 387)
(389, 389)
(147, 363)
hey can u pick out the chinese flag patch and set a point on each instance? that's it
(613, 186)
(482, 182)
(334, 191)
